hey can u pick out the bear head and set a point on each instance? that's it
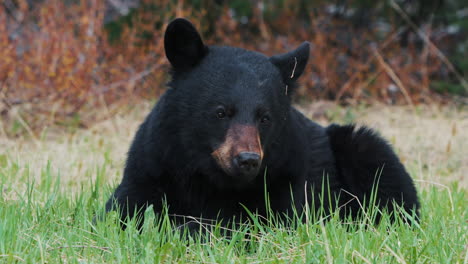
(231, 105)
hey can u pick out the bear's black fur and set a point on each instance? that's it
(225, 132)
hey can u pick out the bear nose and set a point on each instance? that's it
(248, 162)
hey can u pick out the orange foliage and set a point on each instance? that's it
(63, 64)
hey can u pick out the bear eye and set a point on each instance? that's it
(220, 113)
(265, 119)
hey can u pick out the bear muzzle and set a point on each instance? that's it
(240, 154)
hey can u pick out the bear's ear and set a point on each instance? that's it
(183, 44)
(292, 64)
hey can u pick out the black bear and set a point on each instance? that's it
(225, 133)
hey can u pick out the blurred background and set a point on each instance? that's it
(63, 61)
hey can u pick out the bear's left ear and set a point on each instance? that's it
(292, 64)
(183, 44)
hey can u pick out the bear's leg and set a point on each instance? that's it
(130, 201)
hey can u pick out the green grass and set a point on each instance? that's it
(51, 188)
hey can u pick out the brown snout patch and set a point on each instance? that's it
(239, 138)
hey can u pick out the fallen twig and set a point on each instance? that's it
(426, 39)
(394, 77)
(106, 249)
(105, 88)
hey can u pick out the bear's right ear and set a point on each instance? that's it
(183, 44)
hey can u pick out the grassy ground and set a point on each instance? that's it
(52, 185)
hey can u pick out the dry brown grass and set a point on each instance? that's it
(432, 142)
